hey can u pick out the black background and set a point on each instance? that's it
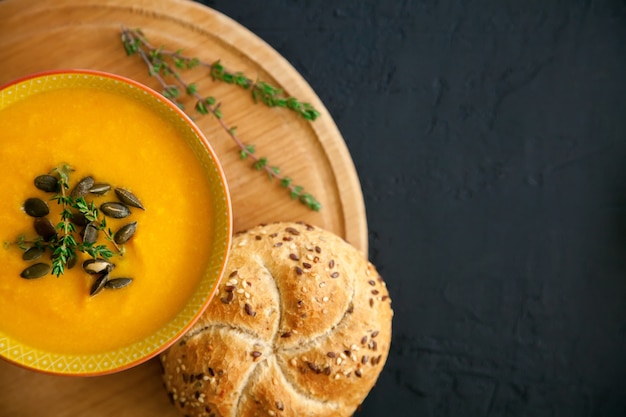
(490, 141)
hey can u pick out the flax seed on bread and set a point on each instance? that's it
(300, 326)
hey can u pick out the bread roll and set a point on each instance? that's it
(300, 326)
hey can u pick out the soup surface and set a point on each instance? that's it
(122, 142)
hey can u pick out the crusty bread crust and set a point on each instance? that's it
(300, 326)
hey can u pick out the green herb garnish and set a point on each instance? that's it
(165, 65)
(64, 246)
(62, 239)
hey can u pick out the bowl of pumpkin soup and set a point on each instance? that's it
(115, 222)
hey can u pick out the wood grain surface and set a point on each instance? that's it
(39, 35)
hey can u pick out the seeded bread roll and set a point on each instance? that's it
(300, 326)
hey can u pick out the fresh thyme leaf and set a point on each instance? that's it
(192, 89)
(285, 182)
(217, 112)
(192, 63)
(20, 242)
(96, 251)
(247, 150)
(171, 91)
(296, 191)
(201, 107)
(260, 164)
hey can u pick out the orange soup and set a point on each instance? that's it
(125, 143)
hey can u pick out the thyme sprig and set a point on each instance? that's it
(64, 246)
(165, 64)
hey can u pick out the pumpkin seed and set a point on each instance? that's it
(48, 183)
(90, 234)
(36, 271)
(100, 188)
(36, 207)
(128, 198)
(117, 283)
(45, 228)
(99, 284)
(115, 210)
(98, 266)
(79, 219)
(71, 261)
(125, 232)
(33, 253)
(82, 187)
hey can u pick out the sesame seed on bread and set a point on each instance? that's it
(300, 326)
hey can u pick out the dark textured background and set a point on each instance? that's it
(490, 140)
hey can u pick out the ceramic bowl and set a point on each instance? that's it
(74, 353)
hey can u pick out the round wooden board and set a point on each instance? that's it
(39, 35)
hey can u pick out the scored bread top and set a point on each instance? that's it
(300, 325)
